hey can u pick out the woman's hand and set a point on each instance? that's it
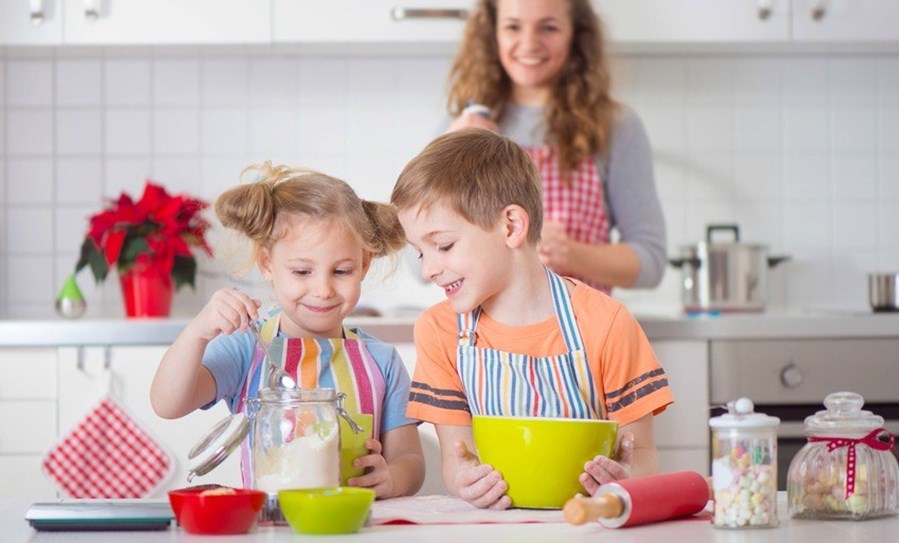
(378, 477)
(228, 310)
(602, 470)
(479, 484)
(472, 120)
(555, 247)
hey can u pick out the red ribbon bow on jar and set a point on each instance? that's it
(870, 439)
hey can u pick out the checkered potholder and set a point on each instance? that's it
(107, 455)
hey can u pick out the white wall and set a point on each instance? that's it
(800, 150)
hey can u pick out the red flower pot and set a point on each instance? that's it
(147, 291)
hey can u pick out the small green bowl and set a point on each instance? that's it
(331, 510)
(541, 458)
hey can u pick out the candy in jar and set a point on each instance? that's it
(846, 470)
(744, 467)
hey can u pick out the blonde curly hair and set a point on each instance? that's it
(581, 112)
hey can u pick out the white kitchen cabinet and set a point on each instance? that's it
(133, 369)
(695, 21)
(28, 427)
(108, 22)
(369, 21)
(682, 435)
(845, 20)
(30, 22)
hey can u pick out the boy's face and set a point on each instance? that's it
(458, 256)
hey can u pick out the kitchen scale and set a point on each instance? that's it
(100, 515)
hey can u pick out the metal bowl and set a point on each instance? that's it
(883, 291)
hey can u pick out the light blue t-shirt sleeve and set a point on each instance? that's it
(396, 379)
(228, 358)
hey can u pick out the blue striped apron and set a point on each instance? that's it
(518, 385)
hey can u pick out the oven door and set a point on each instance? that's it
(790, 379)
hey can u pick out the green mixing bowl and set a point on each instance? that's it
(540, 458)
(332, 510)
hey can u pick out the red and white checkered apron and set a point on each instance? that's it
(107, 455)
(579, 206)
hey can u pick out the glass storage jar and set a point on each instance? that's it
(744, 467)
(846, 470)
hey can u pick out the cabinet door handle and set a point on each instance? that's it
(818, 10)
(401, 14)
(91, 9)
(764, 9)
(36, 11)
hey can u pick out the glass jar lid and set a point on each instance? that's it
(741, 415)
(217, 444)
(843, 413)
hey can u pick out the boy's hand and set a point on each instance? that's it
(228, 310)
(378, 477)
(479, 484)
(602, 470)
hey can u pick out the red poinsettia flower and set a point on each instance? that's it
(159, 230)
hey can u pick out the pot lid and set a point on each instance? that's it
(217, 444)
(741, 415)
(843, 413)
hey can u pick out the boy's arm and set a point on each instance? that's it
(643, 460)
(465, 476)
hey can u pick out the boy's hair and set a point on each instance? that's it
(254, 208)
(477, 173)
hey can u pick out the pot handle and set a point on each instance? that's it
(733, 228)
(776, 260)
(679, 262)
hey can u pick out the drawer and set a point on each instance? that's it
(27, 426)
(28, 374)
(792, 372)
(22, 479)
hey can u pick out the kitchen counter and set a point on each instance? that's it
(16, 530)
(674, 326)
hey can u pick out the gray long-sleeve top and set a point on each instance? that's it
(632, 204)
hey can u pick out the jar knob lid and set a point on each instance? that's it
(741, 406)
(844, 402)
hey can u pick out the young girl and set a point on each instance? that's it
(539, 67)
(313, 240)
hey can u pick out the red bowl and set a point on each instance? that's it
(216, 513)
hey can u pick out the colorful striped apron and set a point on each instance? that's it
(343, 364)
(518, 385)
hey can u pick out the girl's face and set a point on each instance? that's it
(456, 255)
(316, 270)
(533, 38)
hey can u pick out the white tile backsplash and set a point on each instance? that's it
(801, 150)
(31, 181)
(79, 82)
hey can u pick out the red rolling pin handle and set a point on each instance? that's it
(643, 500)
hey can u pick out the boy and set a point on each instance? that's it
(470, 204)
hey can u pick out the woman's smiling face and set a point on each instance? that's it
(533, 38)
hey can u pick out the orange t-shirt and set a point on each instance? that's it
(630, 380)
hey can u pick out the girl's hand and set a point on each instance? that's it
(472, 120)
(602, 470)
(228, 310)
(479, 484)
(554, 247)
(379, 476)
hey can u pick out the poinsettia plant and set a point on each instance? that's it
(158, 230)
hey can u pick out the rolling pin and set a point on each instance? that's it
(641, 500)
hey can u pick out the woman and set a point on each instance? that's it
(539, 68)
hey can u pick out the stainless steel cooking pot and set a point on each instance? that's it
(883, 292)
(724, 276)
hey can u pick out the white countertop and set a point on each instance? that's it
(16, 530)
(668, 326)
